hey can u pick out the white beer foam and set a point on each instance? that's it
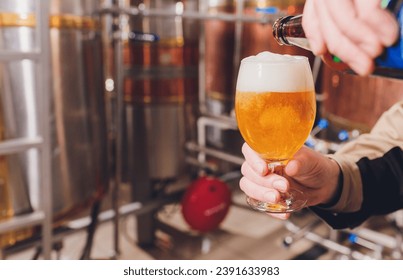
(268, 71)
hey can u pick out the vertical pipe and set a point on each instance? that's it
(137, 117)
(202, 65)
(118, 57)
(238, 38)
(43, 90)
(112, 64)
(201, 139)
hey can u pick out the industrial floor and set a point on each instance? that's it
(244, 234)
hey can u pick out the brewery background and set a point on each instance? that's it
(118, 138)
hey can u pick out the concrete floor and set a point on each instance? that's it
(244, 234)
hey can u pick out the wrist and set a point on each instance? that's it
(335, 186)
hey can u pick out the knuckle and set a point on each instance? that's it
(244, 148)
(243, 168)
(243, 184)
(334, 46)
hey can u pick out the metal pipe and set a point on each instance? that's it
(118, 70)
(19, 145)
(191, 146)
(202, 63)
(328, 243)
(27, 220)
(238, 38)
(297, 235)
(204, 165)
(203, 121)
(220, 121)
(376, 248)
(135, 11)
(107, 215)
(201, 139)
(16, 55)
(377, 237)
(43, 89)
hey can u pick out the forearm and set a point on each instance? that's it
(356, 161)
(382, 179)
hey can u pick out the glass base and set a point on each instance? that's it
(291, 201)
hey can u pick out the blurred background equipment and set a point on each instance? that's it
(206, 203)
(160, 88)
(77, 118)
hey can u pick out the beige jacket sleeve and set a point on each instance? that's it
(386, 134)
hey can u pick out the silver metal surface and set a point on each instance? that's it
(32, 219)
(18, 114)
(78, 116)
(14, 125)
(166, 117)
(327, 243)
(165, 134)
(19, 145)
(43, 95)
(214, 123)
(215, 153)
(118, 51)
(13, 55)
(76, 129)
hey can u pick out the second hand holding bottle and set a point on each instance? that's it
(288, 31)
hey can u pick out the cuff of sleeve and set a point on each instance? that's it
(336, 197)
(350, 188)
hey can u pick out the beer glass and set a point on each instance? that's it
(275, 110)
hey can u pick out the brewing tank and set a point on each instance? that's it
(78, 122)
(77, 119)
(342, 92)
(160, 89)
(18, 114)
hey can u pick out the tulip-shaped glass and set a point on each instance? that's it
(275, 109)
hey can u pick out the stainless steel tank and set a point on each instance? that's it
(78, 139)
(161, 90)
(80, 170)
(18, 116)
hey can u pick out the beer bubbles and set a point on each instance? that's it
(275, 110)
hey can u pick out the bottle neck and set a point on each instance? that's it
(288, 31)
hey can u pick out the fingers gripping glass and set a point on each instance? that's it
(275, 110)
(290, 201)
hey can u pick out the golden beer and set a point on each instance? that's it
(275, 110)
(275, 124)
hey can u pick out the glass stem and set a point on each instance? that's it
(276, 167)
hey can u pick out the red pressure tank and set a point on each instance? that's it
(206, 203)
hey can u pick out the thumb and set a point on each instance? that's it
(303, 163)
